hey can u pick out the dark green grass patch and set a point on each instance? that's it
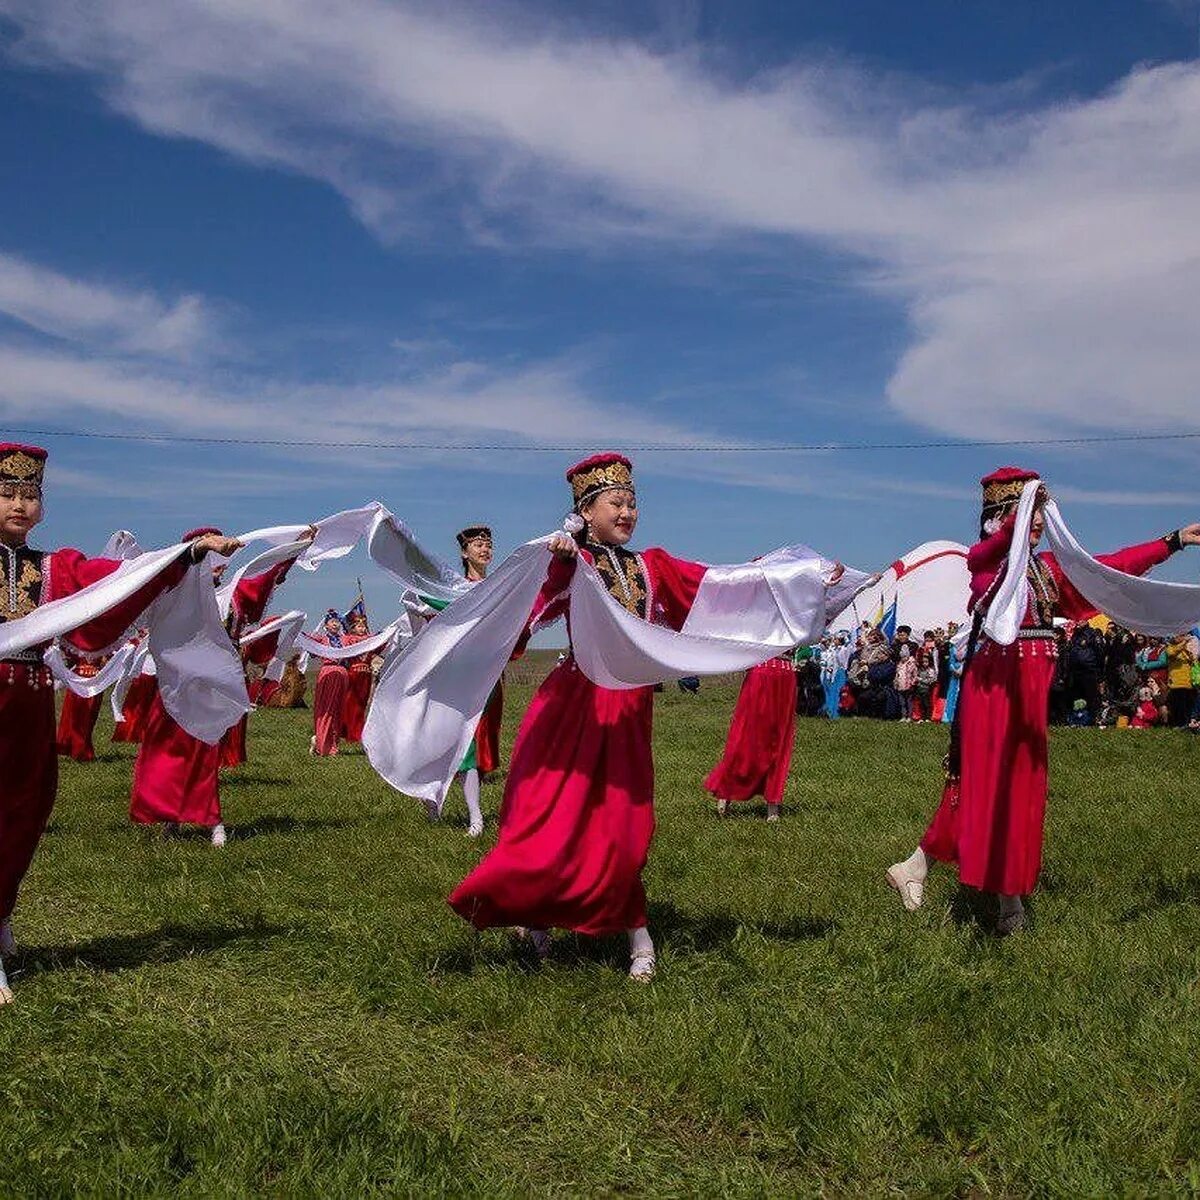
(301, 1013)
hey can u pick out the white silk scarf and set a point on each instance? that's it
(87, 687)
(401, 627)
(1151, 606)
(199, 672)
(431, 693)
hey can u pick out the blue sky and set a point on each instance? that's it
(601, 225)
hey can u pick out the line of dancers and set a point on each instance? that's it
(577, 816)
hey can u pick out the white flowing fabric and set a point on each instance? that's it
(108, 674)
(431, 694)
(121, 545)
(138, 663)
(394, 547)
(258, 565)
(743, 615)
(200, 678)
(432, 691)
(199, 672)
(1151, 606)
(50, 621)
(287, 626)
(400, 627)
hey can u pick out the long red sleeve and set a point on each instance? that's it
(676, 582)
(552, 601)
(71, 572)
(1133, 560)
(252, 595)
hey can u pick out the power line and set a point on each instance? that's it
(660, 448)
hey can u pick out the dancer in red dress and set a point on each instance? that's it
(29, 578)
(358, 685)
(758, 750)
(991, 817)
(176, 777)
(329, 696)
(250, 600)
(77, 720)
(578, 809)
(483, 754)
(476, 547)
(136, 709)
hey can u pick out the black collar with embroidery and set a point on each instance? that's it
(623, 576)
(21, 577)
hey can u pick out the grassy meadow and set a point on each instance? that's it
(300, 1013)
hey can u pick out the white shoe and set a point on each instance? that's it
(474, 830)
(8, 943)
(911, 889)
(218, 835)
(722, 808)
(642, 966)
(772, 812)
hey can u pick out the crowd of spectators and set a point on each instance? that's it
(1104, 677)
(902, 678)
(1118, 678)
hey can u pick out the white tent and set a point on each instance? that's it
(929, 585)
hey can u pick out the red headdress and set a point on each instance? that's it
(22, 464)
(600, 473)
(1001, 492)
(203, 531)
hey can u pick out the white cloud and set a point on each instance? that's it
(463, 403)
(1048, 258)
(77, 310)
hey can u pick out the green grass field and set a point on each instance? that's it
(301, 1013)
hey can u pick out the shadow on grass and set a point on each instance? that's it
(979, 912)
(1165, 891)
(237, 779)
(682, 933)
(270, 826)
(122, 952)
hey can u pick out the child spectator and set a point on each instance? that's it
(906, 680)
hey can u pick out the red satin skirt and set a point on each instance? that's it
(487, 733)
(991, 820)
(329, 697)
(138, 702)
(577, 816)
(758, 750)
(354, 707)
(175, 776)
(28, 769)
(76, 724)
(233, 744)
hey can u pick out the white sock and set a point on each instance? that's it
(471, 791)
(3, 977)
(917, 864)
(8, 943)
(640, 943)
(1010, 905)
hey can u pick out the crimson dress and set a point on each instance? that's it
(176, 776)
(358, 693)
(329, 697)
(578, 809)
(77, 720)
(28, 758)
(758, 750)
(487, 732)
(991, 819)
(138, 701)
